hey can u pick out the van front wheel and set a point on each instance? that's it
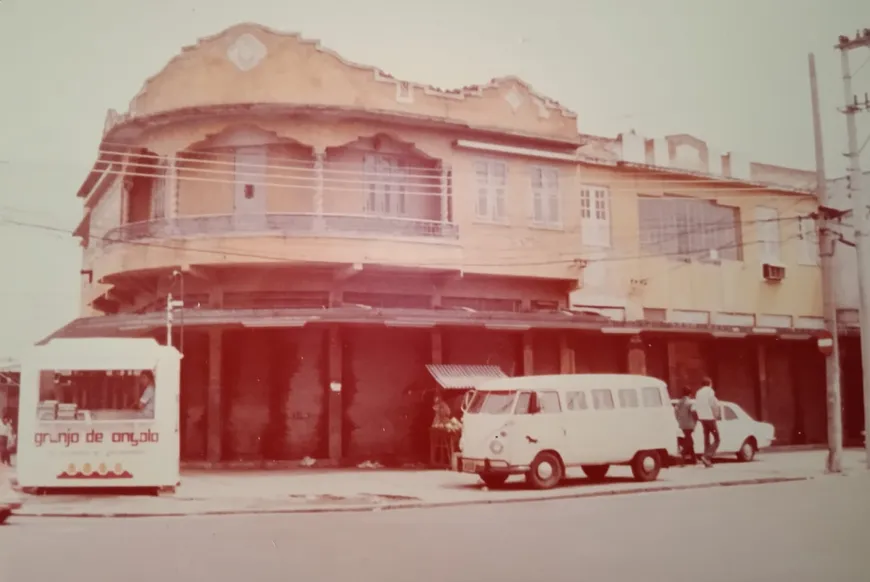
(545, 472)
(646, 466)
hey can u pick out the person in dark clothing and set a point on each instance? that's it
(687, 419)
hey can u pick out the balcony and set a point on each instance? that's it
(375, 188)
(280, 224)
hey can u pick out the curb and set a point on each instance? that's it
(419, 504)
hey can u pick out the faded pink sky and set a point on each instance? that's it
(733, 73)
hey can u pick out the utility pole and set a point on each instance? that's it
(827, 241)
(171, 305)
(859, 214)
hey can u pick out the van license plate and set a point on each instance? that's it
(469, 466)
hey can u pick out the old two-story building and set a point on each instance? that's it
(342, 240)
(845, 259)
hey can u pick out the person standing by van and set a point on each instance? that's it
(707, 409)
(687, 418)
(5, 440)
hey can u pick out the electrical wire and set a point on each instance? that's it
(264, 257)
(224, 164)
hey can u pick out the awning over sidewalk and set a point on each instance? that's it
(463, 377)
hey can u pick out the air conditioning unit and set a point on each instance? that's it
(772, 272)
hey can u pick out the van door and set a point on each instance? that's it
(601, 429)
(581, 434)
(539, 429)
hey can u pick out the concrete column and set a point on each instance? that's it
(566, 353)
(528, 354)
(319, 158)
(437, 346)
(761, 354)
(171, 187)
(334, 363)
(214, 445)
(445, 209)
(636, 356)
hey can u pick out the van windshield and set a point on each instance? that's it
(492, 402)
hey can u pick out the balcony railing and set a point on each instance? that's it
(286, 224)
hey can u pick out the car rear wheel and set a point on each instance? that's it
(546, 471)
(747, 451)
(646, 466)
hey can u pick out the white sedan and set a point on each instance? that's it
(739, 433)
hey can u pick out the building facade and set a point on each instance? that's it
(334, 233)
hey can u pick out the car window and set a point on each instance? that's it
(575, 401)
(729, 413)
(548, 402)
(602, 399)
(628, 398)
(652, 397)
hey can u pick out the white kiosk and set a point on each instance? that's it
(99, 412)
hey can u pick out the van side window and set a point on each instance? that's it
(548, 402)
(523, 401)
(575, 401)
(628, 398)
(652, 397)
(602, 399)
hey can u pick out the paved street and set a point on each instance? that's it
(216, 492)
(806, 531)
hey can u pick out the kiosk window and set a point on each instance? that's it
(95, 395)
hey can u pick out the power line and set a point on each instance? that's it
(224, 158)
(250, 255)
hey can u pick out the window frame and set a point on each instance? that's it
(595, 230)
(545, 184)
(685, 228)
(489, 190)
(380, 185)
(769, 234)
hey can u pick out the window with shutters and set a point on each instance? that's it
(688, 228)
(491, 182)
(386, 185)
(595, 216)
(546, 202)
(767, 227)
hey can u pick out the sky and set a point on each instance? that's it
(731, 72)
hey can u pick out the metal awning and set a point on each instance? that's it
(452, 377)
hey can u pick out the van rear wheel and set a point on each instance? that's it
(546, 471)
(595, 472)
(646, 466)
(493, 480)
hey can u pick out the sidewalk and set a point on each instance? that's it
(320, 490)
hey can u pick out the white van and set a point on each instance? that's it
(540, 426)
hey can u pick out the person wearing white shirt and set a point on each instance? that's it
(708, 411)
(146, 401)
(5, 440)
